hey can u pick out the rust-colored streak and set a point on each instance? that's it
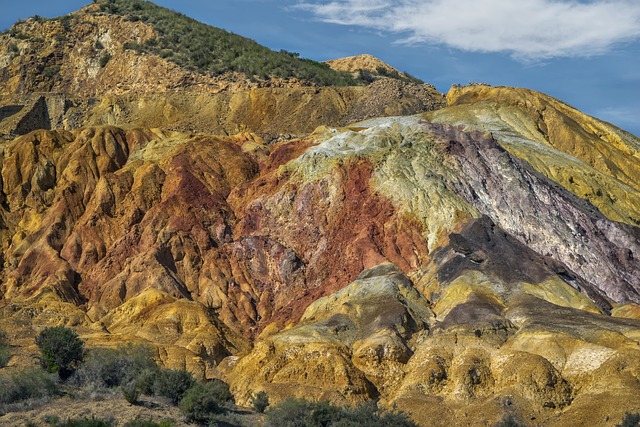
(337, 225)
(286, 151)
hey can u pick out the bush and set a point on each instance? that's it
(109, 368)
(26, 384)
(173, 384)
(5, 354)
(131, 392)
(260, 401)
(630, 420)
(228, 419)
(51, 71)
(146, 380)
(148, 423)
(203, 400)
(220, 390)
(82, 422)
(61, 350)
(368, 414)
(298, 412)
(105, 60)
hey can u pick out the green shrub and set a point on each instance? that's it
(220, 390)
(131, 392)
(412, 79)
(146, 380)
(630, 420)
(61, 350)
(109, 368)
(84, 422)
(105, 60)
(51, 71)
(52, 420)
(148, 423)
(98, 45)
(299, 412)
(173, 384)
(65, 21)
(203, 400)
(260, 401)
(228, 419)
(5, 354)
(212, 51)
(26, 384)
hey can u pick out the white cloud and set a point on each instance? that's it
(527, 29)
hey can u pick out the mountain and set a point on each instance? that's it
(460, 262)
(130, 62)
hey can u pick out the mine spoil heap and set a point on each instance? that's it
(459, 258)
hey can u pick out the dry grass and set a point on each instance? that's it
(101, 405)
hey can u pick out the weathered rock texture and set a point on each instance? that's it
(83, 74)
(444, 263)
(354, 64)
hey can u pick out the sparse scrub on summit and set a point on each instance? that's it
(213, 51)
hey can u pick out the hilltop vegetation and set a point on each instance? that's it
(213, 51)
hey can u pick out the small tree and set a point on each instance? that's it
(61, 350)
(260, 401)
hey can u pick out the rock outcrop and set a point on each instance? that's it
(431, 262)
(369, 63)
(473, 261)
(83, 71)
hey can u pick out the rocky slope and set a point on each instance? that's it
(475, 260)
(84, 70)
(462, 264)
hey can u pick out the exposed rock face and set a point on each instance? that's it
(476, 260)
(88, 76)
(364, 62)
(601, 165)
(581, 238)
(357, 340)
(426, 263)
(64, 56)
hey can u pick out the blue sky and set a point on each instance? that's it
(585, 52)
